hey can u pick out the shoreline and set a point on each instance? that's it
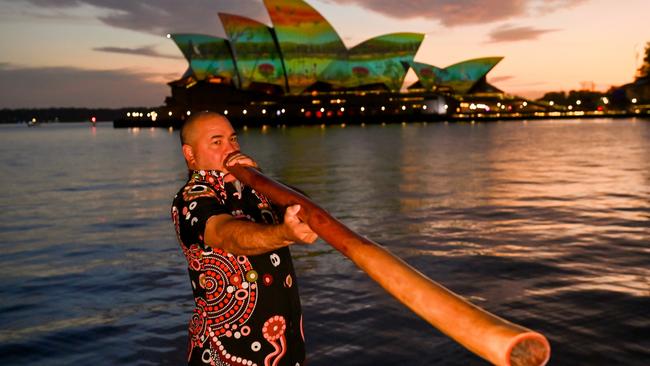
(377, 119)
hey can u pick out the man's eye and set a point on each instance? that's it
(218, 142)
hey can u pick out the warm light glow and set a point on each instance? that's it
(342, 109)
(263, 111)
(322, 110)
(188, 113)
(605, 100)
(634, 100)
(225, 113)
(383, 108)
(363, 109)
(302, 110)
(578, 102)
(570, 107)
(244, 111)
(403, 107)
(128, 114)
(424, 107)
(283, 110)
(170, 113)
(445, 107)
(524, 103)
(551, 103)
(169, 35)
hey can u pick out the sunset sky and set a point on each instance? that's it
(113, 53)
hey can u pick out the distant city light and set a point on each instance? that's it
(605, 100)
(363, 109)
(403, 107)
(244, 111)
(170, 113)
(551, 103)
(128, 114)
(225, 113)
(188, 113)
(277, 113)
(472, 106)
(283, 110)
(263, 111)
(424, 106)
(633, 100)
(445, 107)
(169, 35)
(383, 108)
(525, 103)
(322, 110)
(499, 104)
(302, 110)
(578, 102)
(570, 107)
(342, 109)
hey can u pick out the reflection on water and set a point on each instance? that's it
(546, 223)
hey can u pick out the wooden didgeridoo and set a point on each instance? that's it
(496, 340)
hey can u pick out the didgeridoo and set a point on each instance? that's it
(490, 337)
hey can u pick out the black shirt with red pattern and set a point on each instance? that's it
(247, 307)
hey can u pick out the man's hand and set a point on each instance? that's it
(295, 229)
(237, 158)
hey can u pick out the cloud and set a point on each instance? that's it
(42, 87)
(466, 12)
(161, 16)
(550, 6)
(497, 79)
(447, 12)
(148, 51)
(508, 33)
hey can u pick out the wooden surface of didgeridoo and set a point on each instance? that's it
(490, 337)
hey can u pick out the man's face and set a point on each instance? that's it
(211, 140)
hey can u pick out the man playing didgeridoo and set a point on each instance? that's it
(236, 244)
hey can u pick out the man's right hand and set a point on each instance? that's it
(295, 229)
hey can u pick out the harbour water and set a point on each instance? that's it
(546, 223)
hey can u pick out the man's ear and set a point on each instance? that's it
(188, 153)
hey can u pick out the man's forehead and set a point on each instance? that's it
(212, 125)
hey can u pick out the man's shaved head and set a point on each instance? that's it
(189, 129)
(207, 138)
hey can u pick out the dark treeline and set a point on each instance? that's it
(65, 114)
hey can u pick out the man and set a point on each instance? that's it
(236, 244)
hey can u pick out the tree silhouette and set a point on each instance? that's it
(644, 69)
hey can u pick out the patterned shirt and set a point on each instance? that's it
(247, 307)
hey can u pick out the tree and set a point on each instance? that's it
(644, 69)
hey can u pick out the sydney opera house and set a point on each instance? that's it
(300, 67)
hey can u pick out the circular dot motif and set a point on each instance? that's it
(227, 302)
(251, 276)
(256, 346)
(274, 328)
(267, 279)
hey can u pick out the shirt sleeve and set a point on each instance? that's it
(194, 215)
